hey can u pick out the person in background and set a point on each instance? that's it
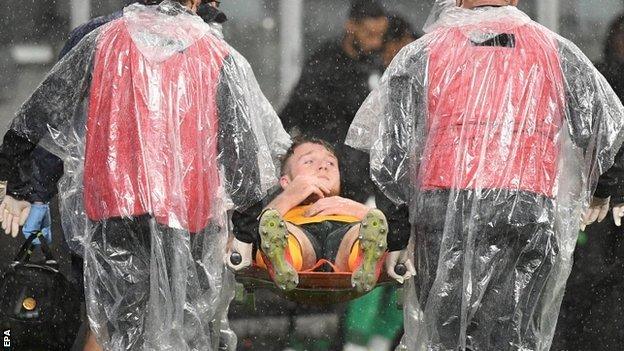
(612, 65)
(373, 322)
(334, 82)
(399, 34)
(595, 289)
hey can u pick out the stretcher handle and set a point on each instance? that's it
(400, 269)
(236, 258)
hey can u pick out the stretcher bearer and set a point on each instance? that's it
(162, 129)
(30, 197)
(495, 132)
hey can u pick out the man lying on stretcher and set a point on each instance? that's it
(308, 221)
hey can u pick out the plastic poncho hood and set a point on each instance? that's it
(494, 131)
(160, 34)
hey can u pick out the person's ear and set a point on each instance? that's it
(350, 26)
(284, 181)
(195, 4)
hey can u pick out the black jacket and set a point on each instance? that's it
(330, 91)
(596, 284)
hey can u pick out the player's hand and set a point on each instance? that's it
(618, 213)
(242, 249)
(304, 186)
(13, 214)
(597, 211)
(399, 257)
(336, 205)
(297, 191)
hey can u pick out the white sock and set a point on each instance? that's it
(379, 343)
(353, 347)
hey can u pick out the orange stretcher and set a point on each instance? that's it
(314, 288)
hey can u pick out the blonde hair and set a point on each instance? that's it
(298, 141)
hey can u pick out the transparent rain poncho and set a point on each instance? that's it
(494, 131)
(163, 130)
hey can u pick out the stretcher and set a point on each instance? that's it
(315, 287)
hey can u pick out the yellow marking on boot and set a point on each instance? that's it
(260, 261)
(353, 256)
(296, 253)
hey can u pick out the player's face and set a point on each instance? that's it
(315, 160)
(368, 33)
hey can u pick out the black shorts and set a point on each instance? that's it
(326, 237)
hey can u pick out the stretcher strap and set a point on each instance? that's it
(320, 263)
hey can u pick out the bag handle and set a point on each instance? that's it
(25, 252)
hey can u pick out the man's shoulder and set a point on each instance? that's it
(327, 51)
(76, 35)
(94, 24)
